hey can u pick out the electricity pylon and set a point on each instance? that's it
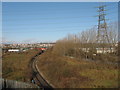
(102, 35)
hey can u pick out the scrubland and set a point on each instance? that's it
(66, 67)
(15, 65)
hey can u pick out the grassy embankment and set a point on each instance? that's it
(66, 72)
(15, 65)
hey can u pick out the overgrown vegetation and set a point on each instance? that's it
(15, 66)
(69, 48)
(66, 72)
(74, 62)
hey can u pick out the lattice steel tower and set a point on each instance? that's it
(102, 35)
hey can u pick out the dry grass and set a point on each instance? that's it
(65, 72)
(15, 65)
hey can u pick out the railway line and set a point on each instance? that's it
(36, 76)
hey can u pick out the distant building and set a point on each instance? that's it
(105, 50)
(85, 49)
(13, 50)
(41, 49)
(100, 50)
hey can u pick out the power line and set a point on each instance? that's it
(49, 9)
(81, 22)
(54, 18)
(66, 26)
(45, 31)
(57, 30)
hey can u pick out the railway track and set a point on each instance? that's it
(36, 76)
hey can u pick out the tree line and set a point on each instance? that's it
(84, 45)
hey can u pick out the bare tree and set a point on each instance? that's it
(113, 33)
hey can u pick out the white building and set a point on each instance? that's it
(13, 50)
(100, 50)
(105, 50)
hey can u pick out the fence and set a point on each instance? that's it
(15, 84)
